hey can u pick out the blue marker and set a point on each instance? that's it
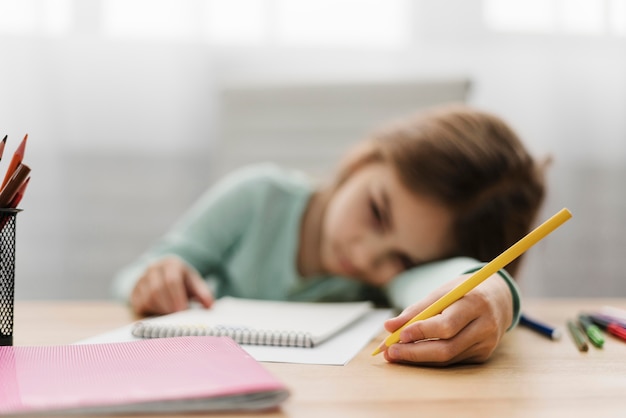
(548, 331)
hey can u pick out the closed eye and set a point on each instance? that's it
(406, 262)
(376, 213)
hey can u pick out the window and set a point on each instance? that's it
(221, 23)
(224, 24)
(35, 17)
(347, 23)
(149, 19)
(617, 17)
(590, 17)
(269, 23)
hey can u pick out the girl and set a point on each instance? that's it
(425, 200)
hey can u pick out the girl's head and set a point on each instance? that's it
(467, 163)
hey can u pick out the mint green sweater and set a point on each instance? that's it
(242, 236)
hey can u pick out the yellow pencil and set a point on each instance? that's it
(481, 275)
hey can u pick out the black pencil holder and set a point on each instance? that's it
(7, 274)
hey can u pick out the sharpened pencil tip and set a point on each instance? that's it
(379, 349)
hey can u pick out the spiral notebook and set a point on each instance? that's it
(170, 375)
(259, 322)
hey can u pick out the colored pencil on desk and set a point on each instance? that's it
(614, 312)
(611, 327)
(617, 320)
(2, 145)
(577, 336)
(593, 332)
(541, 328)
(481, 275)
(15, 161)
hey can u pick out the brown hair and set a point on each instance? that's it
(472, 163)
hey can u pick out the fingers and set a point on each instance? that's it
(173, 292)
(146, 297)
(467, 331)
(197, 288)
(464, 348)
(443, 326)
(407, 314)
(166, 287)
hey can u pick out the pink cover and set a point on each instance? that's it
(162, 369)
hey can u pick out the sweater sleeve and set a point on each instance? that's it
(417, 283)
(203, 236)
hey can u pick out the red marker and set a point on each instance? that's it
(612, 328)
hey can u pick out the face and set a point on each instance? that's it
(374, 227)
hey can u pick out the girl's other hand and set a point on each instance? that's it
(468, 331)
(166, 286)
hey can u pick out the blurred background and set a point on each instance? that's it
(134, 107)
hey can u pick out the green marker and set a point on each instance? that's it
(592, 331)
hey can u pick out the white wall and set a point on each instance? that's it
(118, 143)
(106, 116)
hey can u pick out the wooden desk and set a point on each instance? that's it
(528, 376)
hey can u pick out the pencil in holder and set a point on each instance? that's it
(7, 274)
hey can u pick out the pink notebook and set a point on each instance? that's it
(159, 375)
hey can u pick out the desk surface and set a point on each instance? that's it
(528, 376)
